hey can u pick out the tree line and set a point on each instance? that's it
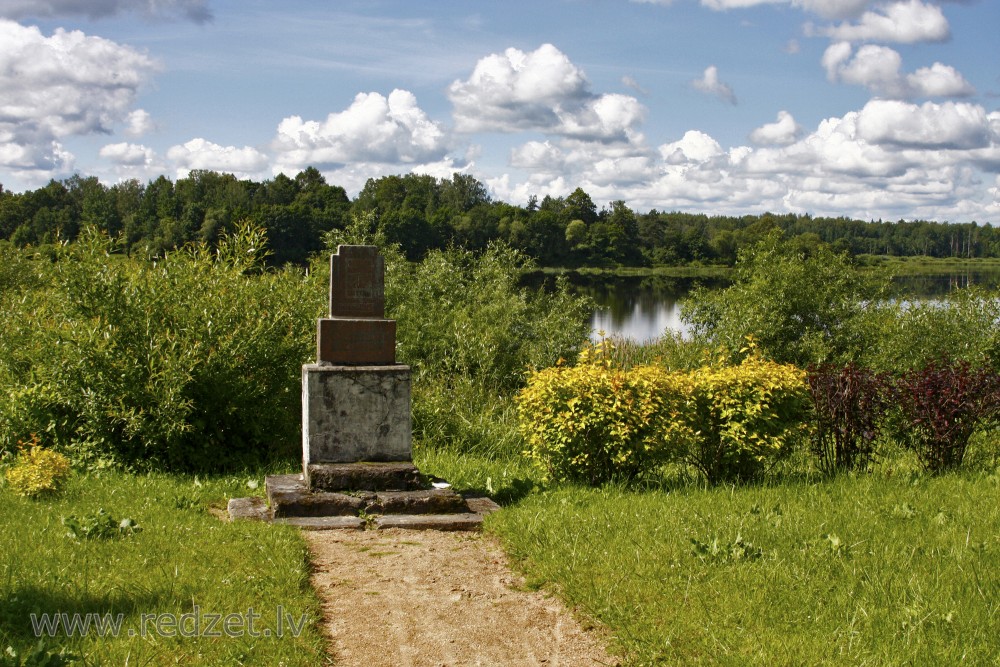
(422, 213)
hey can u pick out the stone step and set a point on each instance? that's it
(466, 521)
(324, 522)
(288, 496)
(295, 503)
(430, 501)
(373, 476)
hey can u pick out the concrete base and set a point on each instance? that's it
(290, 501)
(355, 413)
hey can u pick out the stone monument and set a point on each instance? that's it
(355, 398)
(357, 468)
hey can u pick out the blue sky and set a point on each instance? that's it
(864, 108)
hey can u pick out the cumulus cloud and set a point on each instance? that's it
(891, 159)
(710, 84)
(939, 81)
(193, 10)
(538, 156)
(540, 90)
(246, 162)
(374, 129)
(126, 154)
(694, 146)
(907, 21)
(782, 132)
(59, 86)
(877, 68)
(930, 126)
(138, 123)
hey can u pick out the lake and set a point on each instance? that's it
(644, 307)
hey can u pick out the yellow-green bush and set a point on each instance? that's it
(594, 422)
(740, 419)
(38, 471)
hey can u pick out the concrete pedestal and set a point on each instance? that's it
(355, 413)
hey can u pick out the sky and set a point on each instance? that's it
(870, 109)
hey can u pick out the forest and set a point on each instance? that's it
(423, 213)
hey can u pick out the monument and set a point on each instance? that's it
(355, 398)
(357, 468)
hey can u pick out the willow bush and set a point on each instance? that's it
(190, 362)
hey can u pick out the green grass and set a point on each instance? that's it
(183, 558)
(504, 479)
(874, 570)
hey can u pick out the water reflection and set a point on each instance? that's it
(643, 308)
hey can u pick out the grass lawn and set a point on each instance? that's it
(880, 569)
(184, 560)
(874, 570)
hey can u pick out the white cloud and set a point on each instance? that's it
(831, 9)
(540, 90)
(695, 146)
(138, 123)
(246, 162)
(126, 154)
(890, 160)
(710, 84)
(194, 10)
(951, 125)
(59, 86)
(939, 81)
(374, 129)
(906, 21)
(538, 156)
(782, 132)
(877, 68)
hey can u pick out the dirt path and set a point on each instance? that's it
(404, 598)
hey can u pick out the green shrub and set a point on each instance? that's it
(37, 471)
(594, 422)
(463, 314)
(961, 326)
(189, 362)
(740, 419)
(801, 308)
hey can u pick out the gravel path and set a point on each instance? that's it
(405, 598)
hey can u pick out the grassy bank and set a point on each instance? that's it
(901, 266)
(930, 265)
(686, 271)
(878, 570)
(183, 561)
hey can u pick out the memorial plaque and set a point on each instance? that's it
(357, 282)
